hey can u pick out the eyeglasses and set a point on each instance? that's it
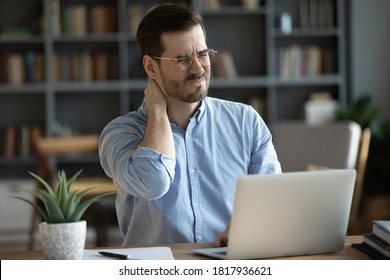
(184, 62)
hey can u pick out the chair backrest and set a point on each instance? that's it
(337, 145)
(334, 145)
(355, 220)
(355, 224)
(44, 148)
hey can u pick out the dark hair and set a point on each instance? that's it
(165, 18)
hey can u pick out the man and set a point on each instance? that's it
(176, 160)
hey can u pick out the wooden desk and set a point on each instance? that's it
(184, 252)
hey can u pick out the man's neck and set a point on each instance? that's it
(180, 112)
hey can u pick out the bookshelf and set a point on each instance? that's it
(76, 64)
(317, 37)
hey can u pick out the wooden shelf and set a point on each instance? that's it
(253, 38)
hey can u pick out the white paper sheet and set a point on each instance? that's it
(149, 253)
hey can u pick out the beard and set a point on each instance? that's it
(176, 89)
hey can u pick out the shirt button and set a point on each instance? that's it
(200, 237)
(192, 170)
(196, 204)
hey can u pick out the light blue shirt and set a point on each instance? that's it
(189, 198)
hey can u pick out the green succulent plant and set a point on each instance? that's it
(60, 204)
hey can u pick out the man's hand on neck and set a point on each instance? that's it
(158, 134)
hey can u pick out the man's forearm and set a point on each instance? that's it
(158, 134)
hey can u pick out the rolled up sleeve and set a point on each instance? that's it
(139, 171)
(149, 174)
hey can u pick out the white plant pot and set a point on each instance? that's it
(63, 241)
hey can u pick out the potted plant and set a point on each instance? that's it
(62, 231)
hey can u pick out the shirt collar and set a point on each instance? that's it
(142, 110)
(200, 112)
(198, 115)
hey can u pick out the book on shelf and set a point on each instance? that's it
(9, 142)
(103, 19)
(135, 13)
(313, 13)
(20, 68)
(297, 61)
(38, 69)
(376, 243)
(85, 66)
(324, 13)
(74, 19)
(316, 13)
(25, 141)
(2, 140)
(381, 229)
(33, 68)
(251, 4)
(224, 66)
(16, 69)
(55, 64)
(321, 21)
(64, 66)
(113, 66)
(73, 67)
(79, 20)
(328, 11)
(16, 140)
(4, 67)
(55, 13)
(210, 4)
(327, 61)
(314, 61)
(304, 13)
(100, 65)
(66, 20)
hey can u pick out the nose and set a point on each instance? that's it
(195, 65)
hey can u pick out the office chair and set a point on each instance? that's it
(355, 223)
(355, 220)
(47, 150)
(333, 145)
(336, 145)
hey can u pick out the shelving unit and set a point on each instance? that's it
(290, 93)
(86, 102)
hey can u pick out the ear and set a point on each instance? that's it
(150, 67)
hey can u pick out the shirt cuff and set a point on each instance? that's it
(147, 154)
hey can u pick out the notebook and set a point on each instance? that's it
(289, 214)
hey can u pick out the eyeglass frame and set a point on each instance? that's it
(190, 58)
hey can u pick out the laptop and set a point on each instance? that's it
(289, 214)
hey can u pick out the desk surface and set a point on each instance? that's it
(184, 252)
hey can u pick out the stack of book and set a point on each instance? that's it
(377, 242)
